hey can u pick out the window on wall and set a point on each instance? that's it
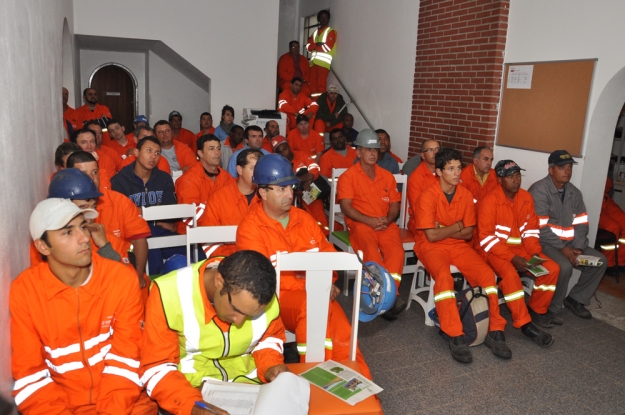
(310, 25)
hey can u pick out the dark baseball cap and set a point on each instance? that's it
(505, 168)
(560, 158)
(301, 118)
(174, 114)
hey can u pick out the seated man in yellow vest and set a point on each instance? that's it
(238, 337)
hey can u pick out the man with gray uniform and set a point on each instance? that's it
(563, 225)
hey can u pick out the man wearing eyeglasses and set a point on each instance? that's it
(239, 337)
(423, 177)
(444, 223)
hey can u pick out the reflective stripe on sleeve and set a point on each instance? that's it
(30, 389)
(154, 375)
(328, 344)
(543, 221)
(581, 219)
(65, 367)
(125, 360)
(565, 234)
(125, 373)
(98, 357)
(270, 343)
(490, 245)
(502, 228)
(513, 241)
(301, 348)
(501, 235)
(485, 240)
(20, 383)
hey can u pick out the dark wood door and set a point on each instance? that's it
(116, 90)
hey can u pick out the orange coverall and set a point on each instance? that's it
(612, 219)
(194, 186)
(111, 154)
(332, 159)
(267, 144)
(161, 354)
(186, 157)
(286, 72)
(432, 208)
(76, 350)
(225, 206)
(373, 198)
(418, 181)
(310, 146)
(469, 180)
(293, 106)
(107, 168)
(315, 209)
(260, 233)
(71, 116)
(84, 114)
(507, 229)
(118, 148)
(187, 137)
(319, 74)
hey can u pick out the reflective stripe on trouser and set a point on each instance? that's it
(384, 247)
(437, 259)
(293, 314)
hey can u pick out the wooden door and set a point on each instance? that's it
(116, 90)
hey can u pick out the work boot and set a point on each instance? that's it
(577, 308)
(459, 350)
(496, 341)
(536, 335)
(555, 318)
(541, 320)
(398, 308)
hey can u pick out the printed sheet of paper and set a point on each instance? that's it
(520, 76)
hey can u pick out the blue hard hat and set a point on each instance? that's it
(72, 184)
(378, 292)
(173, 263)
(274, 169)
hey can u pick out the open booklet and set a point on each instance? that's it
(311, 195)
(589, 261)
(287, 394)
(536, 269)
(341, 381)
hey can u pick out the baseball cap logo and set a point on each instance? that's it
(565, 156)
(509, 165)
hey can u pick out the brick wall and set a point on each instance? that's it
(458, 69)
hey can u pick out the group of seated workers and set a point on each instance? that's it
(87, 337)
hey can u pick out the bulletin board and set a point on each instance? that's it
(544, 105)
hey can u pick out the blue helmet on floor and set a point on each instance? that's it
(378, 292)
(274, 169)
(72, 184)
(173, 263)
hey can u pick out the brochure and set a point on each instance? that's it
(311, 195)
(536, 269)
(589, 261)
(341, 381)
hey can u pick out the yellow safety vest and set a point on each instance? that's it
(205, 350)
(323, 59)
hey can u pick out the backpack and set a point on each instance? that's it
(474, 314)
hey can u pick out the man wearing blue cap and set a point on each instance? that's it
(140, 121)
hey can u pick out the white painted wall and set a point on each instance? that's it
(564, 30)
(170, 90)
(31, 81)
(233, 42)
(134, 61)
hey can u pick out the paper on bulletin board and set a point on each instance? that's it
(520, 76)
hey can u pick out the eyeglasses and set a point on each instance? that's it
(433, 149)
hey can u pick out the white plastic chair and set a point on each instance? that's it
(319, 267)
(175, 175)
(209, 235)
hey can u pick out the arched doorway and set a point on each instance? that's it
(117, 89)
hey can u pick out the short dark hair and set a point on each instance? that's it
(84, 91)
(161, 122)
(425, 141)
(227, 108)
(445, 156)
(63, 150)
(346, 114)
(478, 150)
(297, 78)
(203, 139)
(242, 156)
(46, 239)
(381, 131)
(326, 12)
(267, 123)
(250, 271)
(83, 130)
(140, 128)
(234, 128)
(92, 122)
(334, 131)
(293, 41)
(149, 138)
(79, 157)
(206, 113)
(300, 118)
(251, 128)
(114, 121)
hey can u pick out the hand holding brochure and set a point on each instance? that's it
(589, 261)
(536, 269)
(311, 195)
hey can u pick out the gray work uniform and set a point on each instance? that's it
(565, 223)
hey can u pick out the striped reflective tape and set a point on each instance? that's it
(444, 295)
(514, 296)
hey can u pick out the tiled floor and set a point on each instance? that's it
(582, 373)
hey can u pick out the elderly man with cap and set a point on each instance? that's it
(507, 238)
(370, 202)
(331, 109)
(179, 133)
(563, 222)
(76, 323)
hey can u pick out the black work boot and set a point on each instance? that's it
(541, 320)
(496, 341)
(398, 308)
(536, 335)
(577, 308)
(555, 318)
(459, 350)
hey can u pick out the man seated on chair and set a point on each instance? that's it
(197, 184)
(479, 177)
(386, 159)
(253, 139)
(272, 129)
(423, 177)
(371, 203)
(86, 140)
(339, 156)
(228, 205)
(239, 337)
(178, 154)
(179, 133)
(444, 222)
(140, 132)
(507, 238)
(564, 235)
(147, 186)
(275, 225)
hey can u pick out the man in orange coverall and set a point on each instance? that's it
(508, 237)
(370, 202)
(479, 177)
(275, 225)
(444, 222)
(340, 156)
(198, 183)
(423, 177)
(293, 103)
(305, 140)
(612, 219)
(76, 323)
(292, 64)
(238, 338)
(91, 110)
(229, 204)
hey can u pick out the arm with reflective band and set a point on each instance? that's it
(284, 105)
(580, 223)
(530, 234)
(330, 41)
(312, 106)
(310, 46)
(270, 349)
(35, 392)
(541, 206)
(120, 385)
(160, 355)
(488, 232)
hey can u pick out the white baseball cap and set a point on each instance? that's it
(53, 214)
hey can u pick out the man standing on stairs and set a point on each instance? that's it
(322, 44)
